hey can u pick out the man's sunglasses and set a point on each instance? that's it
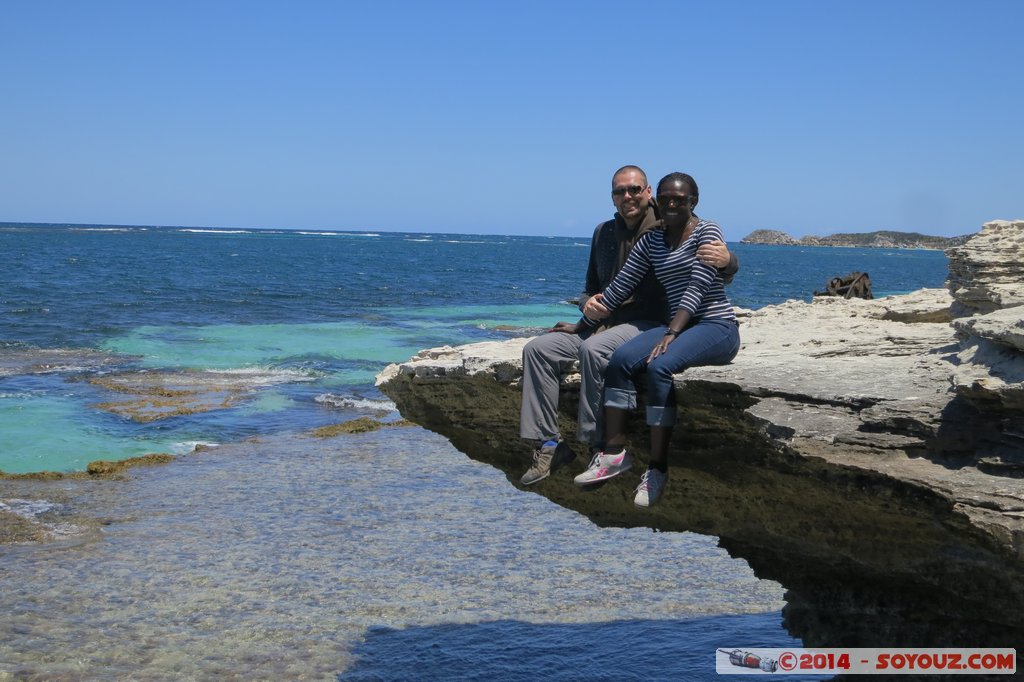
(632, 190)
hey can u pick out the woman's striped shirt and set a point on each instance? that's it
(690, 284)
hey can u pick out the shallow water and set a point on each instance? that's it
(386, 555)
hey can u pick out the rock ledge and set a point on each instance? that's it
(865, 454)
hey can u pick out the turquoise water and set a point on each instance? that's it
(51, 433)
(231, 346)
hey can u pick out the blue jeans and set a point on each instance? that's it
(708, 342)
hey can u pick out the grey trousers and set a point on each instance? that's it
(546, 357)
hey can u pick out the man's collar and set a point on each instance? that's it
(647, 223)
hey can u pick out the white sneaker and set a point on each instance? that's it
(650, 488)
(603, 467)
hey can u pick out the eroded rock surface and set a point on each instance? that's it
(986, 272)
(844, 453)
(985, 278)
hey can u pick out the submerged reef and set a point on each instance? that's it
(97, 468)
(358, 425)
(29, 514)
(156, 395)
(866, 454)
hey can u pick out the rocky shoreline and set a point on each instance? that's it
(865, 454)
(881, 239)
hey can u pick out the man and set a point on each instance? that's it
(548, 356)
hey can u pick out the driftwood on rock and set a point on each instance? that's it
(856, 284)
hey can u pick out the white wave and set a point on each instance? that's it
(341, 234)
(28, 509)
(185, 447)
(352, 402)
(31, 510)
(211, 231)
(62, 529)
(55, 369)
(259, 374)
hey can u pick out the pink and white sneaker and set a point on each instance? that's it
(603, 467)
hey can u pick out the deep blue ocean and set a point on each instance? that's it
(296, 324)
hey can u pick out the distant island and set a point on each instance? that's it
(882, 239)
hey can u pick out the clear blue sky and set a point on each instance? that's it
(509, 118)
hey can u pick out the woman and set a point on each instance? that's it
(703, 331)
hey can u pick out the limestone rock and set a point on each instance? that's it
(986, 278)
(987, 272)
(848, 452)
(1005, 326)
(502, 359)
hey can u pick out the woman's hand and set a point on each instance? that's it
(661, 346)
(680, 321)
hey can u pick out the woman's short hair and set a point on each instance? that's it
(682, 177)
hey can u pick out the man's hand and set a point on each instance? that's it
(715, 254)
(595, 308)
(565, 328)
